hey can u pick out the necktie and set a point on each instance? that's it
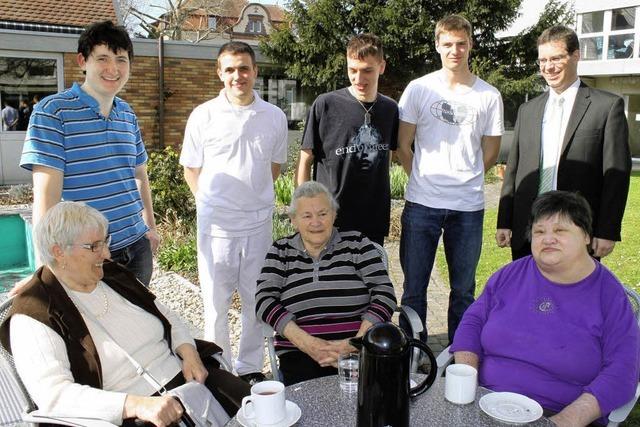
(551, 148)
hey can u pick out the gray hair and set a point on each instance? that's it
(311, 189)
(62, 224)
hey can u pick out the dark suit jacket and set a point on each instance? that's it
(595, 161)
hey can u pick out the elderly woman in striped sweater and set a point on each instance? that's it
(320, 287)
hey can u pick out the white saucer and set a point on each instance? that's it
(511, 408)
(293, 415)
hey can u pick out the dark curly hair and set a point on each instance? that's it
(115, 37)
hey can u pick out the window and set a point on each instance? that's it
(623, 19)
(620, 46)
(621, 40)
(255, 26)
(23, 82)
(278, 90)
(591, 48)
(213, 23)
(592, 22)
(608, 34)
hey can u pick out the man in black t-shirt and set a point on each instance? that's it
(348, 138)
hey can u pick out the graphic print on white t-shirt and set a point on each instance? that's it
(453, 112)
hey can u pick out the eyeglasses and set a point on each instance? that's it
(554, 60)
(95, 246)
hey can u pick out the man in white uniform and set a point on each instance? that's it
(233, 147)
(455, 120)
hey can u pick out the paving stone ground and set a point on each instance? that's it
(438, 290)
(437, 298)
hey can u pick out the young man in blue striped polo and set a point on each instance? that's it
(84, 144)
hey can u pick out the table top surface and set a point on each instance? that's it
(323, 403)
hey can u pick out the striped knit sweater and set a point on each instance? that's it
(327, 297)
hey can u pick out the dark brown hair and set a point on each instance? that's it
(363, 45)
(560, 33)
(237, 48)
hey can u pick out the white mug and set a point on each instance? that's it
(460, 383)
(266, 403)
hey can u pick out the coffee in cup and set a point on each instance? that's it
(266, 404)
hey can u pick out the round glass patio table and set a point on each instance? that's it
(323, 404)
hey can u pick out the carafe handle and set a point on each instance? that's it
(428, 382)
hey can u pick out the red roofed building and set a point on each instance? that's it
(38, 57)
(63, 16)
(229, 20)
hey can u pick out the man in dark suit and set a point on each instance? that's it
(572, 138)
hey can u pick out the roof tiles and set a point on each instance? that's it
(75, 13)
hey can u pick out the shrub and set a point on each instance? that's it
(281, 226)
(169, 191)
(284, 189)
(178, 249)
(399, 180)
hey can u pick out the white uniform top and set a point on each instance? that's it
(234, 146)
(447, 170)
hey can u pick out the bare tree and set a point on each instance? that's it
(129, 20)
(190, 20)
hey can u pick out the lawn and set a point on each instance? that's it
(623, 261)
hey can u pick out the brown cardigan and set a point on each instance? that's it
(46, 301)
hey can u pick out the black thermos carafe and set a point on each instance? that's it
(383, 380)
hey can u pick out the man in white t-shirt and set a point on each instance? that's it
(455, 120)
(233, 147)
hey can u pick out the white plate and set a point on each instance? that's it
(293, 415)
(510, 407)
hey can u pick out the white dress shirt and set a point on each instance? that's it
(550, 142)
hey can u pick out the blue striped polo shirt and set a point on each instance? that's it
(98, 156)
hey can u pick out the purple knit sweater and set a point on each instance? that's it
(553, 342)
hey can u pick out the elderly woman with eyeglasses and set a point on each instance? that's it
(62, 327)
(557, 325)
(320, 287)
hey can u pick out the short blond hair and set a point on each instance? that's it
(453, 23)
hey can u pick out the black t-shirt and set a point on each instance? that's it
(351, 157)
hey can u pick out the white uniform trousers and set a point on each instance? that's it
(224, 265)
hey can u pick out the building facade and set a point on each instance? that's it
(215, 21)
(38, 58)
(609, 33)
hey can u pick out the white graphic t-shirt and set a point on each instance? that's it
(447, 170)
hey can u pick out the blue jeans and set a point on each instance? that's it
(138, 259)
(462, 236)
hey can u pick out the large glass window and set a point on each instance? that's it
(591, 48)
(620, 46)
(23, 82)
(623, 19)
(284, 93)
(592, 22)
(633, 116)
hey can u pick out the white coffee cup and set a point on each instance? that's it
(267, 404)
(460, 384)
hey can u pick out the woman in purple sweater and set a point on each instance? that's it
(555, 326)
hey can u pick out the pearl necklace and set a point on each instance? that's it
(105, 302)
